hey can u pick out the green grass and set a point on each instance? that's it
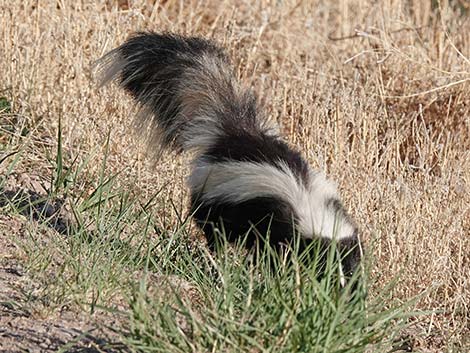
(171, 294)
(247, 307)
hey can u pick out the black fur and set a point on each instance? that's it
(257, 146)
(256, 218)
(158, 68)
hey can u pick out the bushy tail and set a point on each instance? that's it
(185, 89)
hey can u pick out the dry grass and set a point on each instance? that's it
(377, 94)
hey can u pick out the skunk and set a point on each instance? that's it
(245, 180)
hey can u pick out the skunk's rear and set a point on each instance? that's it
(245, 178)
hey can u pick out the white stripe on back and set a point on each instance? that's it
(235, 182)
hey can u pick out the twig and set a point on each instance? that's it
(435, 89)
(360, 33)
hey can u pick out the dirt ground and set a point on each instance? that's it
(23, 329)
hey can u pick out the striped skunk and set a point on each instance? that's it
(245, 179)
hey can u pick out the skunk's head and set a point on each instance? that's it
(350, 251)
(336, 229)
(333, 228)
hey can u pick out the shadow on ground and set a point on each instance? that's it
(37, 207)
